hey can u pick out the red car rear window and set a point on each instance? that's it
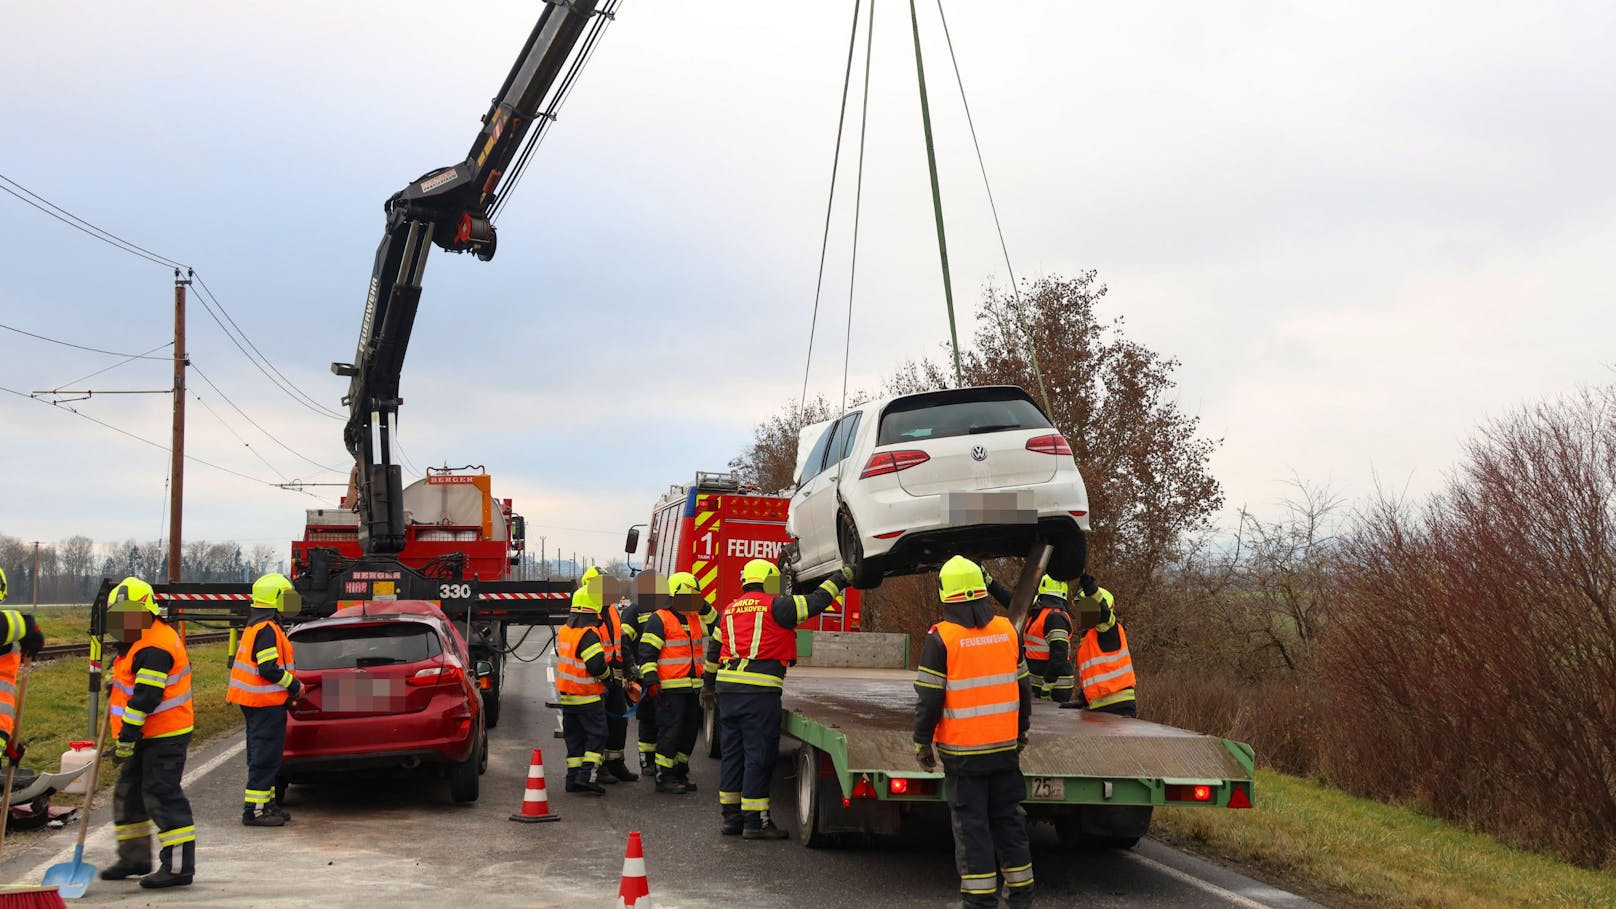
(353, 646)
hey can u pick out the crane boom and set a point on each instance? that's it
(449, 206)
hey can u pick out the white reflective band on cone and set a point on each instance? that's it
(535, 772)
(634, 867)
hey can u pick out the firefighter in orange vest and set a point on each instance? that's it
(263, 682)
(581, 674)
(672, 660)
(975, 704)
(633, 618)
(754, 646)
(151, 722)
(619, 653)
(1104, 668)
(22, 639)
(1047, 637)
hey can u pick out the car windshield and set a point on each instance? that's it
(361, 646)
(939, 416)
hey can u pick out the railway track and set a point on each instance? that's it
(66, 651)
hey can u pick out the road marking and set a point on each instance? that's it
(1199, 884)
(104, 832)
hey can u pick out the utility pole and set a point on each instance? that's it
(36, 575)
(544, 559)
(176, 489)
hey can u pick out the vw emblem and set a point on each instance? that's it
(978, 453)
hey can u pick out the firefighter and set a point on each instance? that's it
(581, 674)
(672, 660)
(1047, 635)
(974, 706)
(1104, 668)
(753, 647)
(634, 616)
(613, 770)
(22, 639)
(263, 682)
(151, 722)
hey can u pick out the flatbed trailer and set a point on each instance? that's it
(1094, 776)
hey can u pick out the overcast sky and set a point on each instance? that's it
(1363, 228)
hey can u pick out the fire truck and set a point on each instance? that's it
(714, 525)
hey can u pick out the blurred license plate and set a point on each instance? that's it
(962, 508)
(363, 694)
(1050, 789)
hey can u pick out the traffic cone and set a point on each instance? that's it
(535, 799)
(634, 892)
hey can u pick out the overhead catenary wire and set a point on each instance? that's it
(74, 221)
(258, 360)
(830, 201)
(271, 436)
(1015, 288)
(97, 350)
(141, 356)
(244, 443)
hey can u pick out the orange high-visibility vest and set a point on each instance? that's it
(175, 714)
(1106, 678)
(9, 664)
(573, 681)
(611, 638)
(1035, 642)
(247, 687)
(679, 662)
(981, 699)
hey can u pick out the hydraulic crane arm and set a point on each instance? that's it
(450, 206)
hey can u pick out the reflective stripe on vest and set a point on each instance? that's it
(247, 687)
(751, 633)
(9, 665)
(981, 699)
(573, 681)
(1037, 646)
(174, 714)
(679, 662)
(1104, 675)
(611, 637)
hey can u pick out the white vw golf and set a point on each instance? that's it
(897, 486)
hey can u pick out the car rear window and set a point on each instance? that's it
(353, 646)
(958, 413)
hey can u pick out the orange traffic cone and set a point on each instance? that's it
(535, 799)
(634, 892)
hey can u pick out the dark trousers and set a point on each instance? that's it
(1059, 689)
(648, 725)
(266, 742)
(583, 726)
(990, 837)
(148, 799)
(1129, 707)
(616, 722)
(749, 736)
(679, 719)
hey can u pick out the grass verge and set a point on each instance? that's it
(55, 713)
(1375, 854)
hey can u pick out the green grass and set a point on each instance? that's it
(55, 711)
(1312, 836)
(70, 625)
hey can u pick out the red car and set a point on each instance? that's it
(386, 687)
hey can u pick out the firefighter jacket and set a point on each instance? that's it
(151, 687)
(581, 667)
(1104, 668)
(262, 674)
(16, 625)
(756, 642)
(1048, 634)
(611, 638)
(974, 694)
(671, 647)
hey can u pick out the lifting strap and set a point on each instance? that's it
(936, 194)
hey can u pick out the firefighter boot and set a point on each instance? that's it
(765, 830)
(668, 783)
(165, 875)
(261, 816)
(582, 781)
(648, 764)
(682, 771)
(123, 868)
(732, 821)
(275, 808)
(617, 771)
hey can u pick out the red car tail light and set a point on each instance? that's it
(887, 462)
(1051, 444)
(435, 675)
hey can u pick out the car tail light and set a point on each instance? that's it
(888, 536)
(1195, 793)
(1077, 514)
(1238, 798)
(1050, 444)
(435, 675)
(887, 462)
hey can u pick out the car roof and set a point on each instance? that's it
(387, 610)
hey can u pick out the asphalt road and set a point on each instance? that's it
(402, 843)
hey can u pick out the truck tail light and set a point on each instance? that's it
(1189, 793)
(886, 462)
(1051, 444)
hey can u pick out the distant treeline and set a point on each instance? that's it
(70, 570)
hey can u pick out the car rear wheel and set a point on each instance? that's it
(464, 780)
(1070, 556)
(482, 760)
(491, 706)
(866, 572)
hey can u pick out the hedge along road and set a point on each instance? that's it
(380, 842)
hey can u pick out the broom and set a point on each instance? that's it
(22, 897)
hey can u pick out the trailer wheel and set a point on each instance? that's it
(809, 791)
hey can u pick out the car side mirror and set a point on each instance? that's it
(483, 669)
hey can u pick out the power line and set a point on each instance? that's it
(110, 353)
(123, 362)
(253, 354)
(271, 436)
(144, 441)
(244, 443)
(74, 221)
